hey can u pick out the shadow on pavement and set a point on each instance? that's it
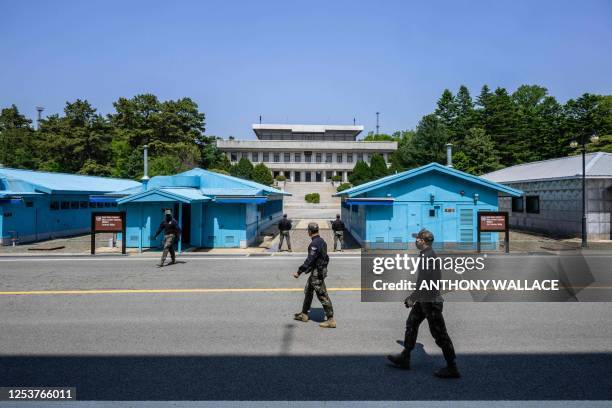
(331, 377)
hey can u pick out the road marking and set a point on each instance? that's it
(126, 291)
(185, 259)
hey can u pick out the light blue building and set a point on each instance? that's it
(214, 210)
(385, 212)
(36, 205)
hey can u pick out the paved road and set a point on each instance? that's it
(242, 345)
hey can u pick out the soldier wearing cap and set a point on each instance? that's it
(316, 265)
(171, 233)
(427, 304)
(338, 228)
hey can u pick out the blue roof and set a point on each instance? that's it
(210, 179)
(48, 182)
(394, 178)
(185, 195)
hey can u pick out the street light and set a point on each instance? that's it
(574, 144)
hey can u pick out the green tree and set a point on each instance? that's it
(378, 167)
(243, 169)
(17, 144)
(223, 163)
(478, 155)
(587, 115)
(361, 173)
(466, 116)
(262, 174)
(447, 109)
(428, 144)
(381, 137)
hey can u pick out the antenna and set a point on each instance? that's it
(39, 109)
(377, 126)
(260, 119)
(353, 121)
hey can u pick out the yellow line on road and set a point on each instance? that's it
(125, 291)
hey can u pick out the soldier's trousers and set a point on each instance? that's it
(432, 311)
(338, 238)
(284, 235)
(168, 247)
(317, 285)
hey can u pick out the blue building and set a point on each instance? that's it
(214, 210)
(36, 205)
(385, 212)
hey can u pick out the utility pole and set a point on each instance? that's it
(377, 125)
(260, 119)
(39, 109)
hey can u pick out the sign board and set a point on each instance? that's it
(107, 222)
(494, 221)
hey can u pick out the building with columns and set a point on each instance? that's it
(306, 153)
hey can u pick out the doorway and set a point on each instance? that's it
(185, 223)
(297, 176)
(308, 177)
(318, 176)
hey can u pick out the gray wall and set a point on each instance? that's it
(561, 207)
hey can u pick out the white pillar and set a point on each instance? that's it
(344, 176)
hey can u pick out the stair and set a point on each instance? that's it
(297, 208)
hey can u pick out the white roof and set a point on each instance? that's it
(306, 128)
(598, 165)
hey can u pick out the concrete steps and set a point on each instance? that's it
(297, 208)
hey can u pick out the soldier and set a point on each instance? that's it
(427, 305)
(338, 228)
(284, 226)
(171, 233)
(316, 265)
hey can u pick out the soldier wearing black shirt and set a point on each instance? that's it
(284, 226)
(427, 304)
(171, 233)
(316, 265)
(338, 229)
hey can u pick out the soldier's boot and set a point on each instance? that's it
(450, 371)
(401, 360)
(328, 324)
(302, 317)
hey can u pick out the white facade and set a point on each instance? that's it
(306, 153)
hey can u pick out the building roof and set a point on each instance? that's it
(212, 180)
(598, 165)
(185, 195)
(394, 178)
(19, 180)
(307, 128)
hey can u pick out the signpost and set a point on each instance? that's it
(107, 222)
(494, 221)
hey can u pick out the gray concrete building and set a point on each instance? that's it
(552, 203)
(306, 153)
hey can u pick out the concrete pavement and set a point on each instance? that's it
(241, 345)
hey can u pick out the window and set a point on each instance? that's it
(328, 157)
(54, 205)
(308, 157)
(276, 157)
(29, 204)
(107, 204)
(233, 157)
(255, 156)
(287, 157)
(318, 157)
(339, 157)
(100, 205)
(518, 204)
(297, 157)
(65, 205)
(266, 157)
(329, 175)
(349, 157)
(92, 205)
(359, 156)
(533, 204)
(369, 157)
(244, 155)
(83, 204)
(74, 205)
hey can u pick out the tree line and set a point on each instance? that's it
(500, 129)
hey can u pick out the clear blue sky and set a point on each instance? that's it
(298, 62)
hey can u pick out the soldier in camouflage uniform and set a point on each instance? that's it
(427, 304)
(316, 265)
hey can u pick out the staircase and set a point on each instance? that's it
(297, 208)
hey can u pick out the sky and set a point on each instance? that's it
(308, 62)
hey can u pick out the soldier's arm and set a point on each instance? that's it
(161, 227)
(309, 263)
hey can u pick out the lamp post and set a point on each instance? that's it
(574, 144)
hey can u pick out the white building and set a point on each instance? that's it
(306, 153)
(553, 195)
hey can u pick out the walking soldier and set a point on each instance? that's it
(171, 233)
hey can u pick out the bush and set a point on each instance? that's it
(280, 177)
(261, 174)
(343, 186)
(243, 169)
(313, 198)
(220, 171)
(337, 177)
